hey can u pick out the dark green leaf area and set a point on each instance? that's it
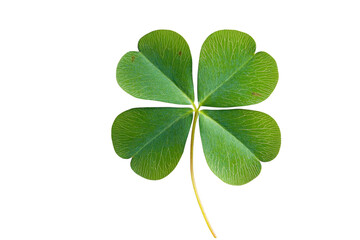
(170, 53)
(235, 141)
(161, 71)
(153, 137)
(231, 74)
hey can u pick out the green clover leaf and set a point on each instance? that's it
(161, 71)
(230, 75)
(153, 137)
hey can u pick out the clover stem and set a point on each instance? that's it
(192, 171)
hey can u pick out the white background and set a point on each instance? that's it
(61, 179)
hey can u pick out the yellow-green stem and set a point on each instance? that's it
(192, 170)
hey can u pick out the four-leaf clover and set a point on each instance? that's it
(230, 75)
